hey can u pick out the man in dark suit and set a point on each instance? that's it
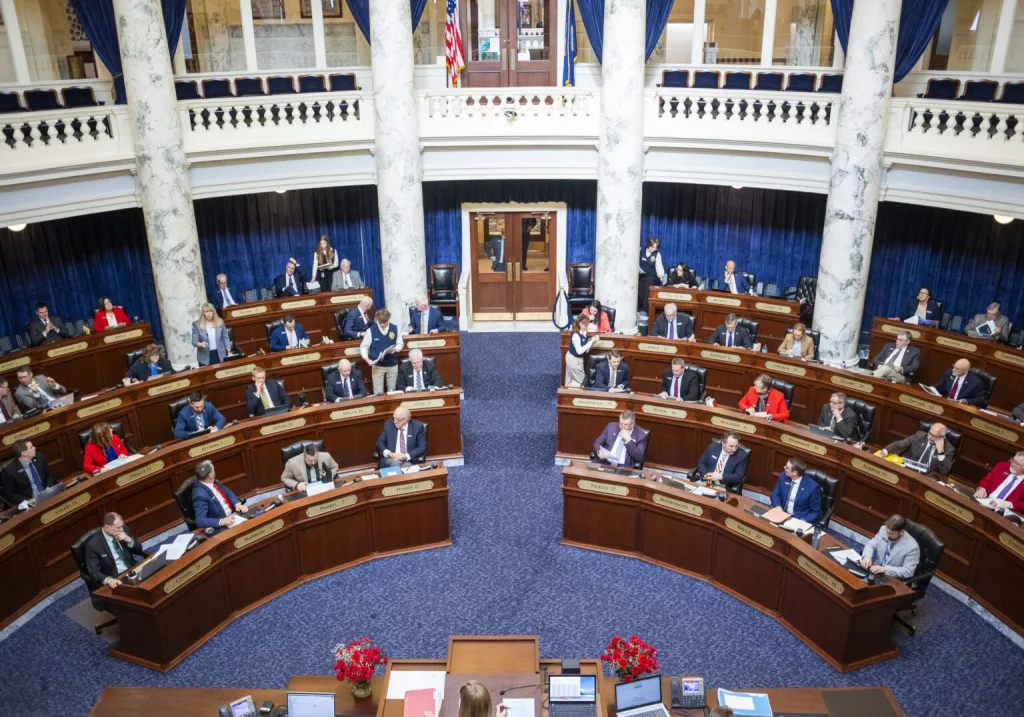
(839, 417)
(46, 329)
(292, 282)
(290, 335)
(9, 410)
(403, 439)
(359, 319)
(261, 395)
(225, 295)
(622, 443)
(732, 334)
(417, 374)
(612, 375)
(27, 475)
(960, 385)
(214, 504)
(796, 494)
(111, 551)
(346, 382)
(426, 319)
(898, 360)
(733, 281)
(673, 325)
(198, 415)
(932, 449)
(723, 461)
(677, 382)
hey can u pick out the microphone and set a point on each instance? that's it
(517, 687)
(433, 466)
(158, 447)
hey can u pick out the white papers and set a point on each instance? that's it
(318, 488)
(401, 681)
(411, 469)
(987, 502)
(845, 556)
(738, 702)
(990, 326)
(796, 524)
(929, 389)
(752, 704)
(701, 490)
(176, 549)
(236, 519)
(520, 707)
(912, 320)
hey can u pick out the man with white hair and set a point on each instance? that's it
(224, 295)
(403, 440)
(960, 385)
(344, 382)
(426, 319)
(416, 374)
(359, 319)
(346, 277)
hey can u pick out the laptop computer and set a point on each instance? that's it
(66, 400)
(283, 408)
(147, 567)
(572, 695)
(310, 704)
(55, 489)
(820, 430)
(640, 698)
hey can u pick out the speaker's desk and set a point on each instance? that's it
(314, 311)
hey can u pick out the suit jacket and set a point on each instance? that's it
(203, 352)
(435, 320)
(406, 379)
(636, 449)
(684, 326)
(35, 332)
(1001, 334)
(775, 405)
(846, 427)
(1018, 413)
(742, 285)
(96, 457)
(99, 560)
(217, 299)
(735, 470)
(689, 387)
(415, 442)
(741, 339)
(995, 477)
(279, 338)
(603, 374)
(911, 361)
(100, 322)
(334, 391)
(140, 369)
(207, 508)
(187, 423)
(254, 401)
(295, 470)
(300, 283)
(15, 484)
(14, 412)
(338, 280)
(806, 346)
(29, 401)
(807, 505)
(972, 391)
(913, 447)
(354, 324)
(910, 309)
(903, 558)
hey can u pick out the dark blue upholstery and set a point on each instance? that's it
(312, 83)
(979, 91)
(343, 82)
(802, 82)
(675, 78)
(79, 97)
(1013, 92)
(42, 100)
(737, 80)
(281, 85)
(10, 102)
(213, 89)
(769, 81)
(249, 87)
(706, 79)
(942, 89)
(831, 83)
(186, 90)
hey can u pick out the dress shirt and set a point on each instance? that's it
(346, 386)
(293, 340)
(346, 283)
(424, 320)
(795, 353)
(34, 479)
(1006, 487)
(111, 319)
(730, 336)
(403, 431)
(219, 497)
(4, 417)
(117, 552)
(211, 337)
(619, 450)
(676, 383)
(720, 466)
(730, 281)
(226, 297)
(791, 500)
(612, 376)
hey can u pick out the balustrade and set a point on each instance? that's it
(535, 113)
(39, 141)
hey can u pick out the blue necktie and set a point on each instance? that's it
(344, 388)
(36, 480)
(885, 558)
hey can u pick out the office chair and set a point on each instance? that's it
(183, 497)
(702, 377)
(116, 428)
(639, 465)
(444, 288)
(751, 326)
(133, 356)
(829, 486)
(593, 361)
(865, 417)
(78, 553)
(815, 336)
(340, 317)
(954, 437)
(988, 381)
(272, 326)
(931, 553)
(738, 489)
(297, 448)
(787, 391)
(581, 286)
(174, 408)
(611, 316)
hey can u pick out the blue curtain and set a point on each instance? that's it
(361, 14)
(592, 15)
(174, 17)
(70, 263)
(918, 22)
(657, 17)
(250, 237)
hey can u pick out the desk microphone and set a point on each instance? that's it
(158, 447)
(433, 466)
(517, 687)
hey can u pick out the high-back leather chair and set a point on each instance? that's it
(865, 417)
(116, 428)
(829, 486)
(931, 553)
(638, 465)
(133, 356)
(174, 408)
(750, 277)
(787, 391)
(183, 497)
(702, 377)
(405, 362)
(611, 316)
(593, 361)
(954, 437)
(272, 326)
(444, 286)
(290, 451)
(581, 286)
(339, 323)
(814, 336)
(751, 326)
(988, 381)
(78, 554)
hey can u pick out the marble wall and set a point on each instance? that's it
(805, 33)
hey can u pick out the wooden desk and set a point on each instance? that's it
(984, 554)
(87, 363)
(940, 349)
(34, 545)
(314, 311)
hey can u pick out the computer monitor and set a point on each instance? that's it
(311, 704)
(572, 688)
(638, 693)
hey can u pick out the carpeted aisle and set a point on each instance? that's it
(507, 574)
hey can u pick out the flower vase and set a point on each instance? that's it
(362, 690)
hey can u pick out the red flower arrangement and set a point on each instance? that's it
(358, 660)
(631, 659)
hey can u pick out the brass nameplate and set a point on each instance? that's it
(741, 426)
(606, 488)
(921, 403)
(121, 338)
(674, 296)
(722, 301)
(301, 358)
(64, 508)
(254, 536)
(821, 575)
(6, 542)
(99, 408)
(749, 533)
(352, 351)
(35, 430)
(68, 349)
(282, 426)
(785, 368)
(426, 344)
(353, 412)
(235, 370)
(418, 487)
(852, 384)
(1005, 538)
(956, 344)
(248, 311)
(773, 308)
(994, 430)
(212, 446)
(806, 445)
(330, 506)
(593, 403)
(680, 505)
(1015, 359)
(347, 299)
(949, 506)
(169, 387)
(15, 363)
(875, 472)
(140, 473)
(604, 344)
(720, 356)
(424, 403)
(300, 304)
(890, 329)
(657, 348)
(187, 574)
(663, 411)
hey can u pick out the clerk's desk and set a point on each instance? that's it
(181, 606)
(142, 407)
(984, 554)
(34, 545)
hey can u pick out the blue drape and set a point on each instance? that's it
(657, 18)
(361, 14)
(174, 17)
(918, 21)
(592, 15)
(250, 237)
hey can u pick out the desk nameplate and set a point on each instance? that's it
(821, 575)
(785, 368)
(248, 311)
(352, 351)
(732, 423)
(169, 387)
(426, 344)
(804, 444)
(254, 536)
(599, 487)
(315, 511)
(240, 370)
(300, 304)
(722, 301)
(353, 412)
(673, 296)
(1005, 538)
(347, 299)
(680, 506)
(35, 430)
(423, 403)
(140, 473)
(188, 574)
(890, 329)
(594, 403)
(993, 430)
(956, 344)
(283, 426)
(64, 508)
(875, 472)
(121, 338)
(755, 536)
(301, 358)
(657, 348)
(949, 506)
(861, 386)
(604, 344)
(720, 356)
(99, 408)
(15, 363)
(663, 411)
(773, 308)
(1015, 359)
(916, 402)
(406, 488)
(6, 542)
(212, 446)
(68, 349)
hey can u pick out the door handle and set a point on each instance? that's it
(504, 59)
(519, 271)
(508, 271)
(512, 58)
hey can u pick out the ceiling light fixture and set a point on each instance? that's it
(1001, 219)
(737, 186)
(17, 227)
(281, 191)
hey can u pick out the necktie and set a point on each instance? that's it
(926, 454)
(419, 379)
(227, 298)
(611, 378)
(728, 339)
(200, 422)
(36, 480)
(45, 395)
(3, 411)
(345, 390)
(401, 442)
(955, 388)
(791, 503)
(720, 466)
(761, 404)
(675, 387)
(832, 423)
(892, 357)
(122, 553)
(267, 403)
(224, 497)
(347, 282)
(672, 329)
(888, 551)
(1009, 488)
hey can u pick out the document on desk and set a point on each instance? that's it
(401, 681)
(844, 556)
(776, 515)
(701, 490)
(929, 389)
(745, 704)
(520, 707)
(320, 487)
(176, 549)
(796, 524)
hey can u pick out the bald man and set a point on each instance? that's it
(403, 440)
(932, 449)
(960, 385)
(359, 319)
(344, 382)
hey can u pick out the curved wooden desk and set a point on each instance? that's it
(842, 618)
(87, 363)
(984, 551)
(34, 545)
(142, 408)
(181, 606)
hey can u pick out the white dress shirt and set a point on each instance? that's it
(791, 500)
(403, 431)
(211, 337)
(293, 340)
(219, 498)
(226, 297)
(730, 281)
(111, 319)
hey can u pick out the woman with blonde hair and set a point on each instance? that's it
(579, 346)
(210, 337)
(798, 344)
(475, 701)
(102, 448)
(325, 263)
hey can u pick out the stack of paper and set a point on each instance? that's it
(176, 549)
(795, 524)
(845, 556)
(745, 704)
(776, 515)
(523, 707)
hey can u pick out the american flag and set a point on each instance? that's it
(453, 59)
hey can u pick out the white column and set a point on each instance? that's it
(397, 156)
(1001, 47)
(856, 178)
(162, 173)
(14, 40)
(697, 51)
(319, 48)
(805, 45)
(620, 158)
(771, 9)
(838, 57)
(248, 35)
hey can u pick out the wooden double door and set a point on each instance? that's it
(513, 264)
(509, 43)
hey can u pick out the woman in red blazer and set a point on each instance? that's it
(103, 447)
(108, 316)
(598, 318)
(1005, 484)
(774, 406)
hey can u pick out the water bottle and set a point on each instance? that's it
(764, 348)
(844, 363)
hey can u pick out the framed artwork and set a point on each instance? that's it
(267, 9)
(332, 8)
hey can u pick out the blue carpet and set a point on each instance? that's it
(507, 574)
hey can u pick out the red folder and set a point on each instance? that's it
(419, 701)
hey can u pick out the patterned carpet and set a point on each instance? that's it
(507, 574)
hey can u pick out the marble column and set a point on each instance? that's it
(162, 173)
(856, 177)
(805, 45)
(397, 155)
(620, 161)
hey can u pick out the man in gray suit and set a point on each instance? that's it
(993, 314)
(36, 391)
(898, 360)
(932, 449)
(892, 551)
(310, 466)
(346, 277)
(8, 411)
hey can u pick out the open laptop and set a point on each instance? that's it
(147, 567)
(572, 695)
(825, 431)
(640, 698)
(283, 408)
(54, 490)
(311, 704)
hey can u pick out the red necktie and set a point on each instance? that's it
(401, 441)
(223, 495)
(675, 387)
(955, 388)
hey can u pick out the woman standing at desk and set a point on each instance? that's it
(102, 448)
(579, 346)
(210, 337)
(109, 316)
(325, 263)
